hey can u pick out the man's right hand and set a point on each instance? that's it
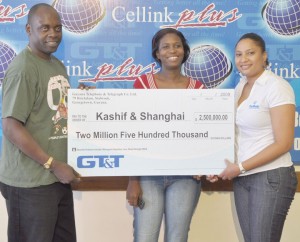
(64, 172)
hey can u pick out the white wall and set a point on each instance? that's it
(105, 217)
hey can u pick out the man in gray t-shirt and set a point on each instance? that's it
(34, 175)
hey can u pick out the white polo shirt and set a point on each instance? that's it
(253, 121)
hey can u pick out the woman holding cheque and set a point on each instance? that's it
(264, 176)
(175, 197)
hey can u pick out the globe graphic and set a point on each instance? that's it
(283, 16)
(208, 64)
(7, 54)
(79, 16)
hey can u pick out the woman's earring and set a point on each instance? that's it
(266, 66)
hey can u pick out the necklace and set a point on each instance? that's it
(28, 47)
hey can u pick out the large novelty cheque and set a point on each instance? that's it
(129, 132)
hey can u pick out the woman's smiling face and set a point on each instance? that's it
(170, 51)
(250, 59)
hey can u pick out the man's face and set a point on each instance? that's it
(45, 32)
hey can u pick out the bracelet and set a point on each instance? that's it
(48, 163)
(242, 169)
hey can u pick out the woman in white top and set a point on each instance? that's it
(264, 176)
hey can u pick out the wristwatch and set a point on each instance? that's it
(48, 163)
(242, 169)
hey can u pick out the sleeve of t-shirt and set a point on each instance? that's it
(18, 97)
(280, 93)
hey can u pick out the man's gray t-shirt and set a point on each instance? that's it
(34, 92)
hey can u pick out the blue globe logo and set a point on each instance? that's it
(79, 16)
(7, 54)
(283, 16)
(208, 64)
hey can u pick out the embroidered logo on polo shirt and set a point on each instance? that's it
(254, 105)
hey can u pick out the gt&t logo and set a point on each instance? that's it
(104, 161)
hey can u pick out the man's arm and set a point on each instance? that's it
(17, 134)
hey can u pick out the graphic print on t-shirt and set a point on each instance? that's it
(57, 100)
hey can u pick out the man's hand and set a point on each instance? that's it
(83, 86)
(64, 173)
